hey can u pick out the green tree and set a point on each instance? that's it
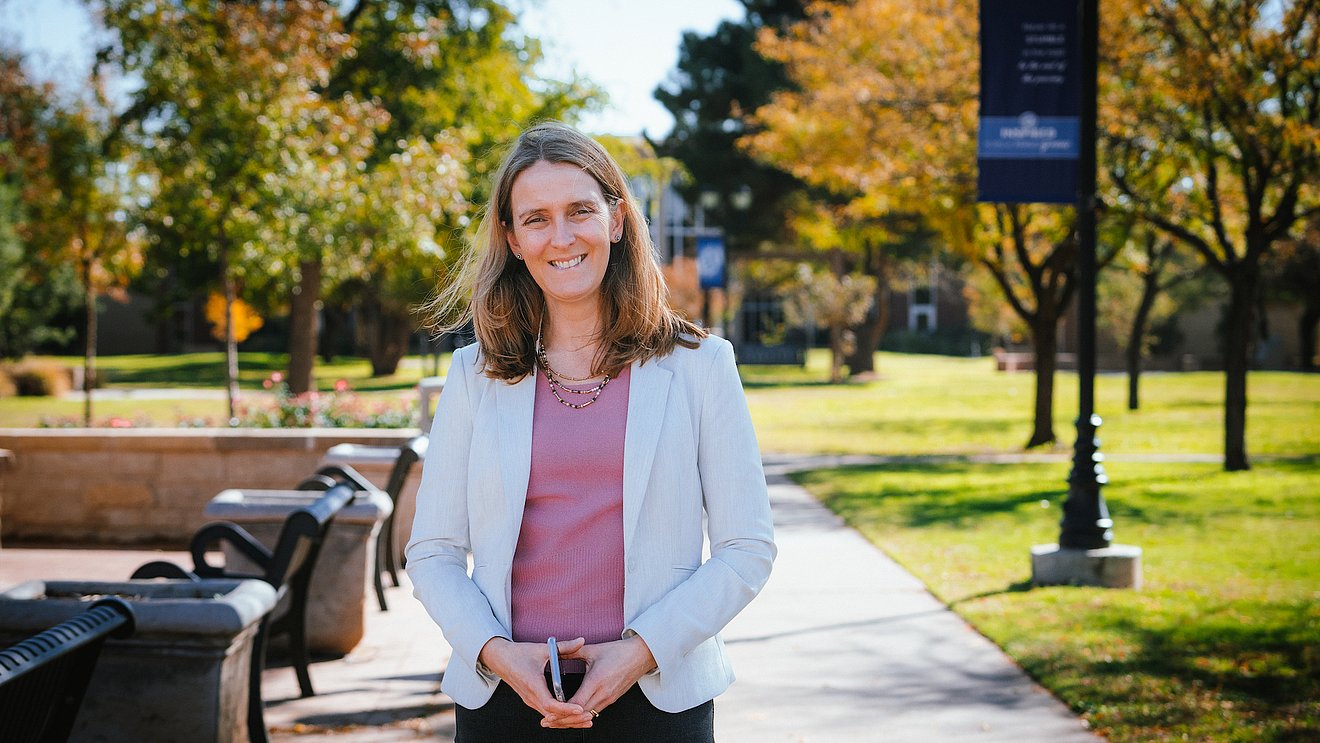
(719, 80)
(86, 214)
(1139, 296)
(1216, 141)
(34, 291)
(834, 299)
(455, 79)
(222, 86)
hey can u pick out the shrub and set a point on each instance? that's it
(41, 379)
(8, 388)
(338, 409)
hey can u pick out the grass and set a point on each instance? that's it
(1223, 641)
(203, 372)
(933, 404)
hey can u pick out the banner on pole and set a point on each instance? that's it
(1029, 136)
(710, 262)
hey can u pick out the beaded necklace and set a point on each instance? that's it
(556, 381)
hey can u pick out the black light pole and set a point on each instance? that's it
(1086, 523)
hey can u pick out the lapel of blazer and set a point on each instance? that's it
(515, 404)
(648, 392)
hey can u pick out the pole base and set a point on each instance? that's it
(1115, 566)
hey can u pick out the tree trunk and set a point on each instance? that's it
(1045, 345)
(836, 354)
(1306, 328)
(870, 332)
(388, 333)
(89, 347)
(1241, 303)
(231, 345)
(1150, 289)
(303, 326)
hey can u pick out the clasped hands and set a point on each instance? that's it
(612, 669)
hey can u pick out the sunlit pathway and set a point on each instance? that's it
(844, 645)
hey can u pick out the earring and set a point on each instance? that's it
(518, 256)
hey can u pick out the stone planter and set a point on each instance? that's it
(342, 578)
(182, 676)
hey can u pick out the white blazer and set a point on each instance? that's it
(689, 449)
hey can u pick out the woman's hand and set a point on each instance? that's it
(612, 669)
(521, 665)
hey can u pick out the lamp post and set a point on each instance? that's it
(1085, 554)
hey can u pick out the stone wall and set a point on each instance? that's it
(149, 486)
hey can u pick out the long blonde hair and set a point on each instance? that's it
(506, 305)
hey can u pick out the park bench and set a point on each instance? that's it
(1014, 361)
(287, 567)
(405, 457)
(43, 679)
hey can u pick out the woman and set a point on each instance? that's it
(575, 450)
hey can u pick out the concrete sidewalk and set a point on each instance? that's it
(843, 645)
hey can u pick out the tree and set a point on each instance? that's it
(720, 79)
(34, 291)
(870, 118)
(455, 80)
(1150, 267)
(1295, 274)
(1216, 141)
(86, 214)
(834, 299)
(222, 84)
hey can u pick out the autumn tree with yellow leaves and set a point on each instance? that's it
(1213, 137)
(1209, 114)
(883, 113)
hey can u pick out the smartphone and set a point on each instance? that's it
(556, 679)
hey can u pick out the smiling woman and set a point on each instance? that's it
(591, 433)
(562, 230)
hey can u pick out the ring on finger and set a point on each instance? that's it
(594, 713)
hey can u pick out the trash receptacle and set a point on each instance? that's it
(343, 576)
(182, 675)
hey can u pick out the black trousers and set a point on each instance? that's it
(631, 719)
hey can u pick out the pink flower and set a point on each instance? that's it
(267, 384)
(277, 377)
(121, 423)
(341, 385)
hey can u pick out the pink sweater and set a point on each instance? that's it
(568, 569)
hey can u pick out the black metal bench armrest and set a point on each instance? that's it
(233, 534)
(340, 472)
(317, 482)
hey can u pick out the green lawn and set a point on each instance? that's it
(934, 404)
(1223, 641)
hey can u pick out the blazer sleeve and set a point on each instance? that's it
(438, 550)
(738, 524)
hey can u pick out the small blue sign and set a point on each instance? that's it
(710, 262)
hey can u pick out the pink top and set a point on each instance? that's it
(568, 569)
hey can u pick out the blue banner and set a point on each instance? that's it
(710, 262)
(1029, 136)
